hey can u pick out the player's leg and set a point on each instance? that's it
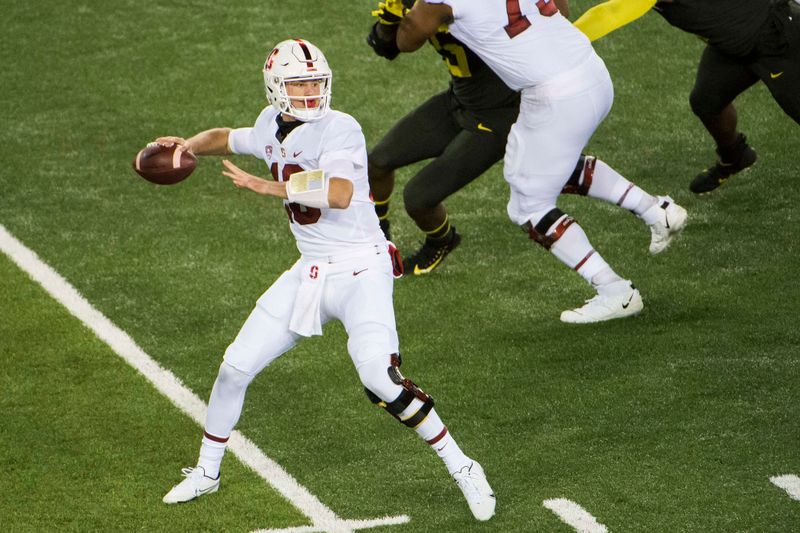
(720, 79)
(594, 178)
(364, 305)
(468, 156)
(781, 71)
(264, 336)
(420, 135)
(542, 149)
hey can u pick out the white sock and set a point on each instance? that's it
(211, 453)
(652, 214)
(435, 433)
(574, 250)
(609, 185)
(605, 277)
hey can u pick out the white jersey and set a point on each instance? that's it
(334, 144)
(526, 42)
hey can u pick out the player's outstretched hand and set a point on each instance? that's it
(245, 180)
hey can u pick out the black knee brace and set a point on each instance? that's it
(575, 185)
(539, 232)
(409, 394)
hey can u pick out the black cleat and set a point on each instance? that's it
(430, 255)
(737, 158)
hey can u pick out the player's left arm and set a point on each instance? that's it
(245, 180)
(604, 18)
(340, 190)
(422, 23)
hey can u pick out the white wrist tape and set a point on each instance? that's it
(308, 188)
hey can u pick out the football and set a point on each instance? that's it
(164, 165)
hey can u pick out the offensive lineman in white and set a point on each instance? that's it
(566, 93)
(318, 160)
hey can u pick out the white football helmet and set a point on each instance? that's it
(297, 60)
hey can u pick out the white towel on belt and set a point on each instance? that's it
(306, 319)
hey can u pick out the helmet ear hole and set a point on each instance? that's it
(297, 60)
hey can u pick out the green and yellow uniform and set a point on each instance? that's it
(463, 129)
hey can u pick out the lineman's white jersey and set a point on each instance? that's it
(518, 40)
(336, 145)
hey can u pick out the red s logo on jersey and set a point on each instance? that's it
(314, 272)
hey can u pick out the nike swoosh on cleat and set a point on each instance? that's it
(625, 305)
(418, 270)
(203, 491)
(359, 272)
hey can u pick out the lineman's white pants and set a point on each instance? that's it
(555, 122)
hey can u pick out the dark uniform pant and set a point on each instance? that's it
(460, 143)
(722, 77)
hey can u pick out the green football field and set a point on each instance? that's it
(672, 421)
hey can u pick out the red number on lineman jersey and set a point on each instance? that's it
(517, 22)
(297, 213)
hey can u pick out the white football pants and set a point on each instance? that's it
(357, 291)
(556, 121)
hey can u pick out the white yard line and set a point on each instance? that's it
(788, 482)
(574, 515)
(322, 518)
(352, 524)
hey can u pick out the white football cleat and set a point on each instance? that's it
(617, 300)
(670, 223)
(480, 496)
(197, 483)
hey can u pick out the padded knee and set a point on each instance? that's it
(417, 196)
(376, 381)
(549, 228)
(705, 105)
(232, 379)
(585, 168)
(410, 396)
(378, 160)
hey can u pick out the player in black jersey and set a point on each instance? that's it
(464, 129)
(747, 41)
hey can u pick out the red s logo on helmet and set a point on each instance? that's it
(270, 58)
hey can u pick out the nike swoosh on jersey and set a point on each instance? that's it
(776, 75)
(359, 272)
(297, 153)
(490, 130)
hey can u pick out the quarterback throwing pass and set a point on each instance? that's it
(318, 161)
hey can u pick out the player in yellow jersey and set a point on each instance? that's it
(748, 41)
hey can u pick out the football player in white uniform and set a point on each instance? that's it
(566, 93)
(318, 161)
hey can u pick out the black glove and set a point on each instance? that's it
(383, 40)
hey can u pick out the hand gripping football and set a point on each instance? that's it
(164, 165)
